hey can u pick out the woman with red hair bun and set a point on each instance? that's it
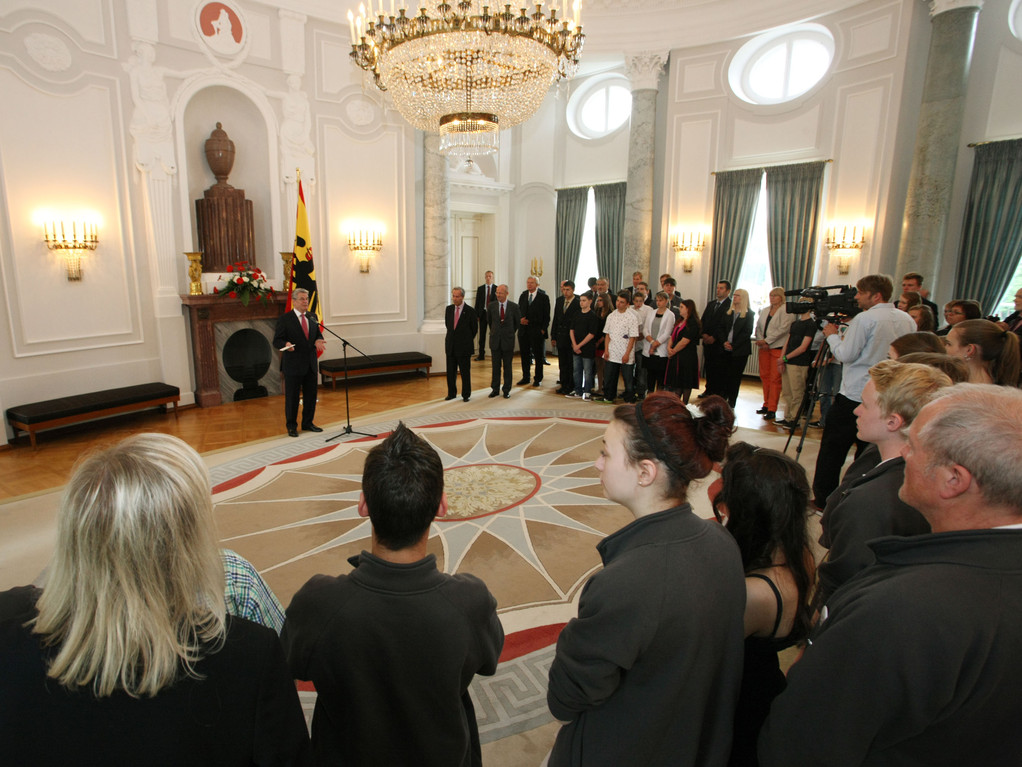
(648, 673)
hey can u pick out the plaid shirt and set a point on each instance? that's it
(247, 594)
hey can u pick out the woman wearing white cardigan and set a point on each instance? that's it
(771, 335)
(657, 332)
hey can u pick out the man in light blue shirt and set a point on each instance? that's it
(865, 342)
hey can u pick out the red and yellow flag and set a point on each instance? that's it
(303, 271)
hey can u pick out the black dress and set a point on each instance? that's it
(762, 681)
(683, 368)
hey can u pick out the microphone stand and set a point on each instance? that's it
(347, 407)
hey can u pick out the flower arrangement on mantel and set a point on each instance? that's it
(244, 281)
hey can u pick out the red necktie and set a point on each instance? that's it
(305, 327)
(457, 315)
(502, 312)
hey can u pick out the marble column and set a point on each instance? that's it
(644, 73)
(928, 203)
(436, 248)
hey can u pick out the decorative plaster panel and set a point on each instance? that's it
(693, 138)
(260, 30)
(88, 18)
(871, 37)
(334, 68)
(292, 42)
(861, 115)
(757, 141)
(1004, 119)
(363, 180)
(81, 169)
(699, 78)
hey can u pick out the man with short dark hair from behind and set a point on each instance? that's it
(393, 645)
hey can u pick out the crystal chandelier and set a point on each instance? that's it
(463, 72)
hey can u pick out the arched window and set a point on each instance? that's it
(781, 65)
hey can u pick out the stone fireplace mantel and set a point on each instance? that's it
(203, 313)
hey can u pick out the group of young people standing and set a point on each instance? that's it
(648, 342)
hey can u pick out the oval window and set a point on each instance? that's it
(600, 107)
(780, 66)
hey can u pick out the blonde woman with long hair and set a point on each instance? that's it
(771, 335)
(127, 656)
(735, 338)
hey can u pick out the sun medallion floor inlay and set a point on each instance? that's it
(525, 511)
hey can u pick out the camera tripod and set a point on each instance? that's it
(809, 398)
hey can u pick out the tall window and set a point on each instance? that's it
(755, 276)
(587, 255)
(1007, 303)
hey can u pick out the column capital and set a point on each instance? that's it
(938, 7)
(643, 69)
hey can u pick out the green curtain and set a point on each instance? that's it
(992, 233)
(571, 219)
(735, 195)
(610, 231)
(793, 219)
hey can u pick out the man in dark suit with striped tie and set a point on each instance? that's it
(460, 320)
(299, 339)
(485, 294)
(504, 317)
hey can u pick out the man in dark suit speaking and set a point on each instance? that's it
(503, 317)
(460, 320)
(299, 339)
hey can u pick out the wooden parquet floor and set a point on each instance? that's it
(24, 471)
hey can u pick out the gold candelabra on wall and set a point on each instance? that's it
(71, 240)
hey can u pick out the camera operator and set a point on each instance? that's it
(865, 343)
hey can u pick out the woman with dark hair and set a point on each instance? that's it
(763, 502)
(915, 342)
(127, 655)
(991, 352)
(959, 310)
(923, 315)
(682, 373)
(603, 308)
(908, 299)
(648, 673)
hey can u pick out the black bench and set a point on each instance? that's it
(380, 363)
(84, 407)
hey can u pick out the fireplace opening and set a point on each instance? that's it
(247, 356)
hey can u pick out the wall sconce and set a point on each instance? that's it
(365, 240)
(71, 240)
(686, 246)
(844, 247)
